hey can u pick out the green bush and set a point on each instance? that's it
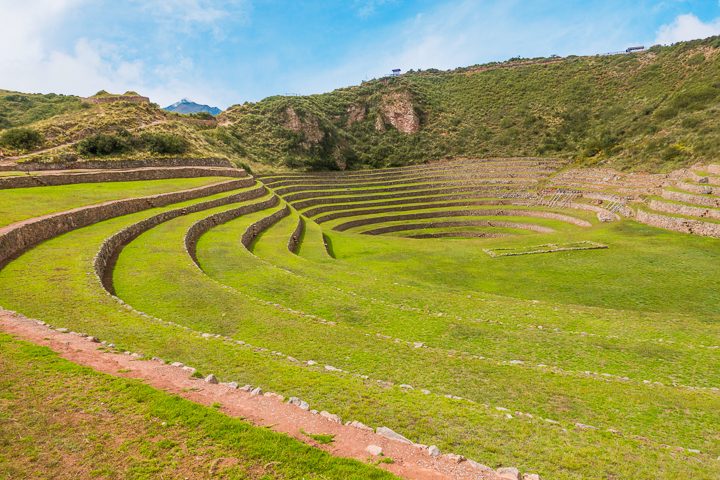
(21, 138)
(165, 143)
(103, 144)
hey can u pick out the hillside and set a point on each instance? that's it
(653, 111)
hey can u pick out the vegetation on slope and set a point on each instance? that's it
(651, 110)
(17, 109)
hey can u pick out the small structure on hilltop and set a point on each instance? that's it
(639, 48)
(395, 72)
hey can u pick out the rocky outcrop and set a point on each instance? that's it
(356, 113)
(309, 127)
(398, 110)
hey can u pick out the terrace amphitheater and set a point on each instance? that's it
(293, 212)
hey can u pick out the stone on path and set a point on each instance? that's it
(331, 416)
(531, 476)
(509, 473)
(211, 379)
(374, 450)
(433, 451)
(387, 433)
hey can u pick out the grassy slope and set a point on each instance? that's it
(18, 109)
(22, 203)
(62, 421)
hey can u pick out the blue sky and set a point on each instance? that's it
(231, 51)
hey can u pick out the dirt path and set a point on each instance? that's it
(410, 461)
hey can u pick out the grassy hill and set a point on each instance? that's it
(654, 110)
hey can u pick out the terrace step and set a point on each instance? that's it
(684, 209)
(66, 177)
(700, 200)
(678, 223)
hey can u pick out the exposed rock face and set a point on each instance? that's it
(309, 127)
(397, 109)
(356, 113)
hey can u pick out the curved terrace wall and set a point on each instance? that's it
(704, 200)
(488, 191)
(124, 164)
(261, 225)
(199, 228)
(294, 241)
(467, 203)
(459, 223)
(688, 210)
(678, 224)
(152, 173)
(19, 237)
(112, 246)
(460, 187)
(461, 213)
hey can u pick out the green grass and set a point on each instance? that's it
(602, 322)
(61, 420)
(18, 204)
(321, 438)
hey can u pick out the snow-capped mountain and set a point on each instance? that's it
(187, 106)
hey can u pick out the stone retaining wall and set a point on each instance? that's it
(461, 213)
(199, 228)
(678, 224)
(481, 200)
(261, 225)
(459, 234)
(123, 164)
(520, 164)
(112, 246)
(19, 237)
(602, 212)
(416, 206)
(400, 179)
(417, 189)
(319, 190)
(460, 223)
(294, 241)
(702, 189)
(489, 191)
(152, 173)
(688, 210)
(704, 200)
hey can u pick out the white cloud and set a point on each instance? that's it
(31, 60)
(465, 32)
(687, 27)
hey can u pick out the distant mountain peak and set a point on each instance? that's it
(188, 106)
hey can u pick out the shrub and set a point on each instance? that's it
(165, 143)
(102, 144)
(21, 138)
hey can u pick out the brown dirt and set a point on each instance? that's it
(410, 461)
